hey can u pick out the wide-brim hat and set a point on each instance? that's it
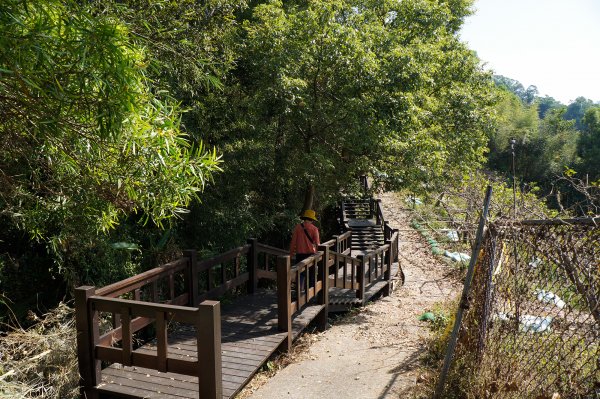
(309, 214)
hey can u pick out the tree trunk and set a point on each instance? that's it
(309, 195)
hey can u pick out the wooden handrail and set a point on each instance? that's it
(224, 257)
(272, 250)
(139, 280)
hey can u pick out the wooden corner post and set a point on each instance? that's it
(252, 262)
(86, 322)
(360, 293)
(337, 243)
(208, 334)
(324, 295)
(396, 245)
(284, 300)
(387, 230)
(387, 274)
(192, 276)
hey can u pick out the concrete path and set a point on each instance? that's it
(373, 353)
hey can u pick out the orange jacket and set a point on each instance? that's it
(300, 243)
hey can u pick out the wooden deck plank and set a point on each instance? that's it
(133, 384)
(249, 337)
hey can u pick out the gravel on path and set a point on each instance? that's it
(373, 352)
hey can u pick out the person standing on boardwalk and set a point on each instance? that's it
(305, 241)
(305, 237)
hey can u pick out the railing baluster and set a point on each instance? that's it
(126, 339)
(387, 275)
(344, 273)
(337, 270)
(161, 342)
(324, 294)
(353, 274)
(171, 286)
(154, 291)
(192, 276)
(360, 294)
(252, 264)
(209, 279)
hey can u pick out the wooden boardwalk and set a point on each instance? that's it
(249, 336)
(174, 331)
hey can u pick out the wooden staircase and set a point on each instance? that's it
(367, 238)
(367, 230)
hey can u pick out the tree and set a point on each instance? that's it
(589, 145)
(528, 96)
(576, 110)
(546, 104)
(191, 47)
(326, 90)
(515, 120)
(87, 144)
(544, 148)
(351, 87)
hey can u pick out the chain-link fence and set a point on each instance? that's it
(533, 326)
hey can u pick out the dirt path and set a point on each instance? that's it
(374, 352)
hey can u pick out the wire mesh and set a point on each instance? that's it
(533, 327)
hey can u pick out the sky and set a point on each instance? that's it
(551, 44)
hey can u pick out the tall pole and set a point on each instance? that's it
(464, 300)
(514, 177)
(515, 254)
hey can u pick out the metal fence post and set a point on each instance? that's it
(464, 298)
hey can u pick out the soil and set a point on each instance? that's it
(375, 351)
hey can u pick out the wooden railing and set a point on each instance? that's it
(180, 291)
(341, 244)
(186, 291)
(314, 284)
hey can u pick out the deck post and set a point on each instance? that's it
(360, 293)
(378, 211)
(192, 276)
(349, 242)
(337, 243)
(396, 244)
(86, 322)
(252, 264)
(387, 275)
(324, 295)
(387, 230)
(284, 300)
(208, 335)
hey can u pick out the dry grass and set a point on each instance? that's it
(40, 361)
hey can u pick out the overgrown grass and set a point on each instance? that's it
(41, 361)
